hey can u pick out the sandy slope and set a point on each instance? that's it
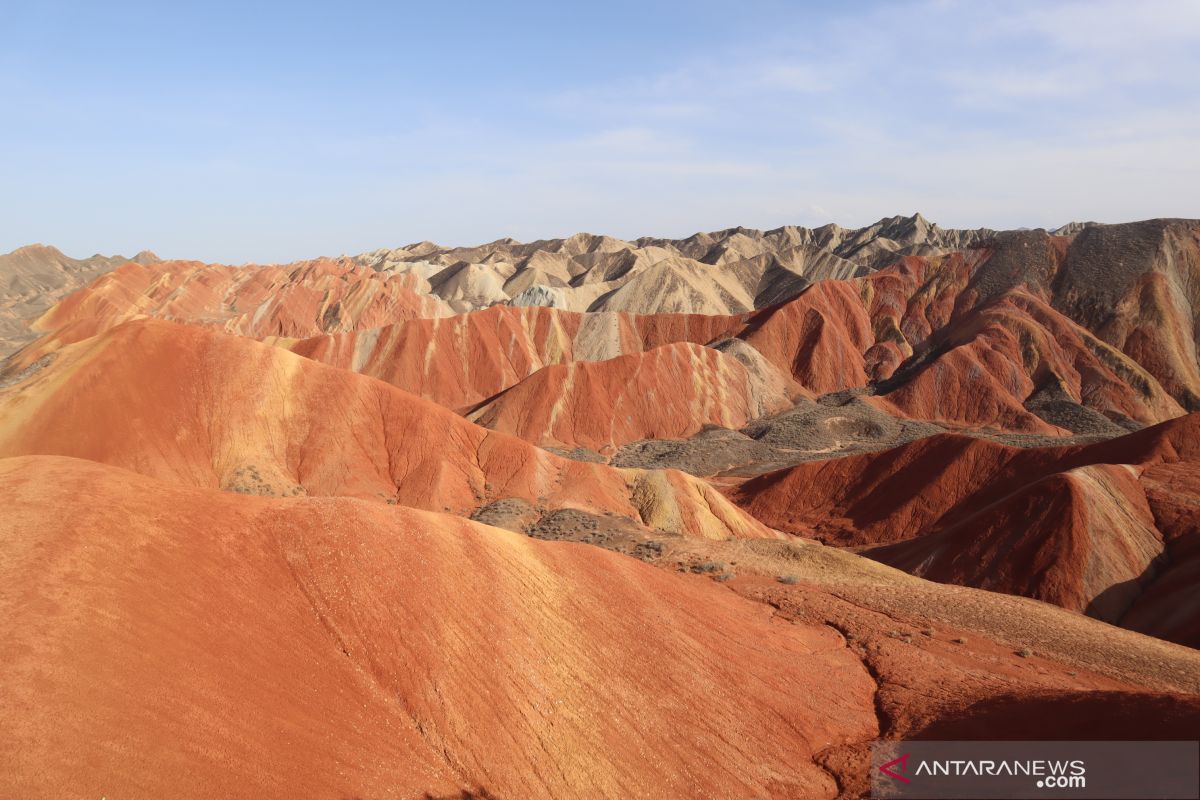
(200, 408)
(189, 643)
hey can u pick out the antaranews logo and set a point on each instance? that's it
(1079, 770)
(1053, 774)
(896, 768)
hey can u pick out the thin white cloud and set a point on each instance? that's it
(1110, 26)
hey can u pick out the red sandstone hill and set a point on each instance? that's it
(322, 628)
(1138, 287)
(670, 392)
(297, 300)
(1101, 320)
(1089, 528)
(463, 360)
(980, 369)
(199, 408)
(166, 641)
(173, 641)
(1021, 331)
(920, 333)
(954, 339)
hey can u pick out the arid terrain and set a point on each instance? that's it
(588, 517)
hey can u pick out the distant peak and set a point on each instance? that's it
(38, 248)
(1071, 228)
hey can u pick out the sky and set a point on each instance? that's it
(268, 132)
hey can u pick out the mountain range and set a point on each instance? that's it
(588, 517)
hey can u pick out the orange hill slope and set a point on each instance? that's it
(1116, 304)
(1083, 539)
(1099, 529)
(300, 299)
(174, 642)
(970, 338)
(463, 360)
(896, 494)
(935, 347)
(171, 641)
(1021, 331)
(199, 408)
(670, 392)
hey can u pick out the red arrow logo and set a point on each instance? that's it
(903, 762)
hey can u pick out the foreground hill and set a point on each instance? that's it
(339, 648)
(170, 641)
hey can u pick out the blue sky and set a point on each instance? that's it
(274, 131)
